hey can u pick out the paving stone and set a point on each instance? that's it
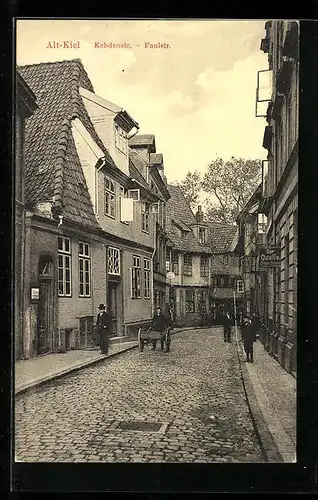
(72, 420)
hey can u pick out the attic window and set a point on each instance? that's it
(202, 235)
(121, 139)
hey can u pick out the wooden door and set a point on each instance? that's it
(112, 305)
(45, 307)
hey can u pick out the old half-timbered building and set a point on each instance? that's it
(279, 200)
(25, 106)
(150, 163)
(85, 242)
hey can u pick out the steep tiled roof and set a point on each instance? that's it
(178, 207)
(52, 165)
(220, 236)
(179, 212)
(142, 140)
(135, 173)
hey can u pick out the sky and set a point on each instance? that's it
(197, 96)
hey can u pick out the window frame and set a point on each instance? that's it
(121, 139)
(204, 269)
(136, 277)
(108, 261)
(147, 278)
(189, 310)
(175, 263)
(85, 258)
(108, 192)
(187, 267)
(64, 255)
(145, 216)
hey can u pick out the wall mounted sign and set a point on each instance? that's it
(269, 258)
(35, 293)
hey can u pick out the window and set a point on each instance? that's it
(147, 278)
(202, 235)
(134, 194)
(187, 265)
(155, 209)
(225, 259)
(113, 261)
(204, 266)
(145, 217)
(123, 195)
(240, 286)
(135, 278)
(175, 263)
(84, 269)
(201, 301)
(64, 267)
(109, 197)
(121, 139)
(189, 301)
(168, 259)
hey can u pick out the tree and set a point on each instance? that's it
(229, 185)
(191, 187)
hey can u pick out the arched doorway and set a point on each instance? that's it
(46, 305)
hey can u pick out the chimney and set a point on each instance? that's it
(199, 215)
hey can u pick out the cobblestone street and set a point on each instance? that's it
(194, 394)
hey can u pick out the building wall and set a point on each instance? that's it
(282, 216)
(135, 310)
(131, 231)
(103, 120)
(70, 309)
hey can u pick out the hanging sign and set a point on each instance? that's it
(35, 294)
(269, 258)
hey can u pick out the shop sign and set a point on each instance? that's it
(269, 258)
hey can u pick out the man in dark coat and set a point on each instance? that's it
(227, 327)
(249, 336)
(158, 324)
(103, 328)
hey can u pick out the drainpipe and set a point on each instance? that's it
(152, 270)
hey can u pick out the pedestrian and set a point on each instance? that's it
(103, 328)
(227, 327)
(167, 314)
(158, 324)
(249, 336)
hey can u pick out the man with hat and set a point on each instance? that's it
(103, 328)
(248, 336)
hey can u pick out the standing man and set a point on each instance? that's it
(158, 324)
(227, 327)
(249, 336)
(104, 328)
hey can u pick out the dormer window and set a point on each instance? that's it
(202, 235)
(121, 139)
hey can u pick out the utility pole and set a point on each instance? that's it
(235, 320)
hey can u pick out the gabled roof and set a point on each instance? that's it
(178, 217)
(53, 168)
(143, 140)
(220, 236)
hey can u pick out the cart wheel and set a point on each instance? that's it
(140, 342)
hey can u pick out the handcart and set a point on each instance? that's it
(146, 337)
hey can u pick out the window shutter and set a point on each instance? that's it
(126, 209)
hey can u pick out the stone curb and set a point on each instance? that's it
(268, 444)
(70, 369)
(74, 368)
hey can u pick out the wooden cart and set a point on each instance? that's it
(146, 337)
